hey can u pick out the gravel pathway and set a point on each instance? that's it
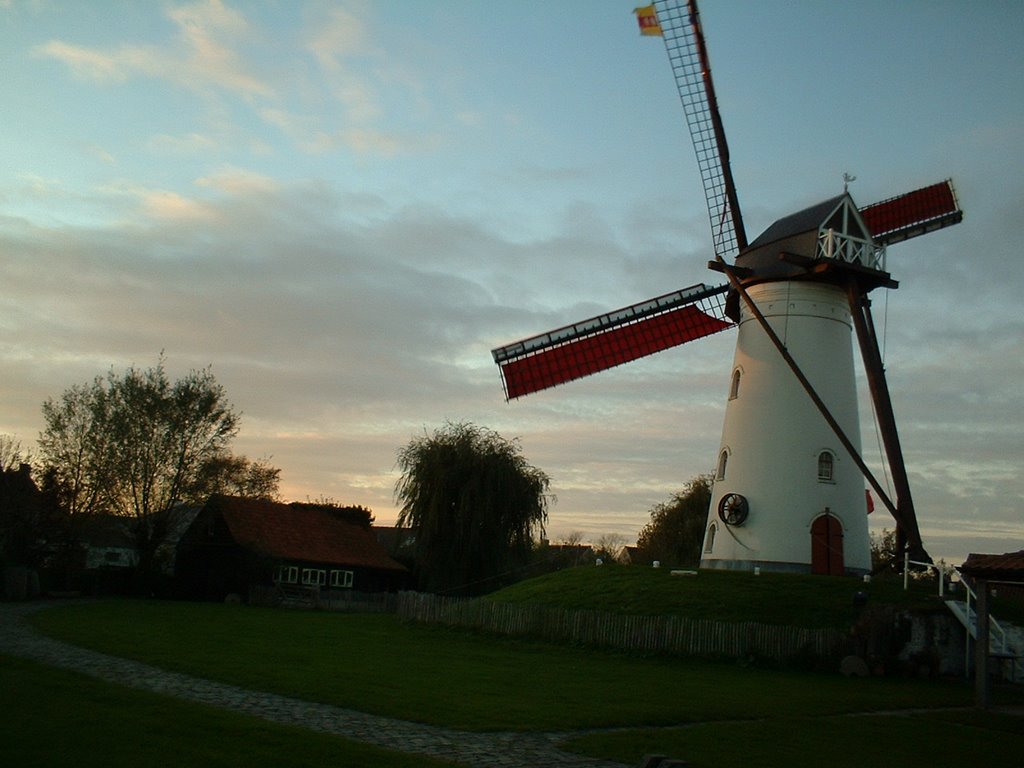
(483, 750)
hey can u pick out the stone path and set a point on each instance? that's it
(476, 750)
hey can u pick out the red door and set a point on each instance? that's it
(827, 546)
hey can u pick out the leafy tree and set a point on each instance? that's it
(676, 530)
(236, 476)
(473, 504)
(140, 446)
(885, 555)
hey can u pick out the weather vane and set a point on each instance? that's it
(847, 178)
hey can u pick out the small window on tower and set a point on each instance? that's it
(826, 466)
(734, 387)
(709, 542)
(723, 459)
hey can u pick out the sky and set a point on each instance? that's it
(342, 207)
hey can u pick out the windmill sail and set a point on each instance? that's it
(612, 339)
(684, 41)
(913, 213)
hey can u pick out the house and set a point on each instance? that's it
(236, 543)
(107, 543)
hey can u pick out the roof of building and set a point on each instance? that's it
(1006, 567)
(302, 532)
(809, 219)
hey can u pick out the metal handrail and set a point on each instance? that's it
(999, 631)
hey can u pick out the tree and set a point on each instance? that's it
(141, 446)
(12, 456)
(885, 556)
(473, 504)
(676, 530)
(608, 547)
(236, 476)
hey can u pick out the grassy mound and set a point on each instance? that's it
(771, 598)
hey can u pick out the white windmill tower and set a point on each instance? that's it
(789, 489)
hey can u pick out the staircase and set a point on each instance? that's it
(1005, 641)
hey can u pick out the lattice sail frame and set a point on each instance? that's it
(684, 43)
(612, 339)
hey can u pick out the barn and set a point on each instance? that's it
(235, 544)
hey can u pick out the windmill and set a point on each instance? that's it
(789, 481)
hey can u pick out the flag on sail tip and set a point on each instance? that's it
(648, 20)
(871, 502)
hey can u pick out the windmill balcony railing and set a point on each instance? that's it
(851, 250)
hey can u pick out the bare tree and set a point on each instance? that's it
(12, 455)
(608, 547)
(140, 446)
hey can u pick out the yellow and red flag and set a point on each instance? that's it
(648, 20)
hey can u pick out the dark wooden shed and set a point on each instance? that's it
(235, 543)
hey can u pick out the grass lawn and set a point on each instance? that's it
(51, 718)
(377, 664)
(937, 740)
(714, 714)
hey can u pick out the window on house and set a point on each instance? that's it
(709, 541)
(723, 459)
(826, 466)
(314, 576)
(734, 387)
(342, 579)
(286, 574)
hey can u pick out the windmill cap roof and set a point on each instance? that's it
(797, 223)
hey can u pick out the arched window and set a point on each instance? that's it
(709, 541)
(826, 466)
(723, 459)
(734, 387)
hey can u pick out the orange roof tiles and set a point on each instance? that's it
(1008, 566)
(301, 532)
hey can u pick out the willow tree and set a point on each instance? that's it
(473, 504)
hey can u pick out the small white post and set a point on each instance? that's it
(906, 569)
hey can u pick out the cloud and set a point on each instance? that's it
(204, 58)
(339, 38)
(190, 143)
(238, 181)
(91, 64)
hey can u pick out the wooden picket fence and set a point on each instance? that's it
(657, 634)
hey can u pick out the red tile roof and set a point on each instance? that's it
(1009, 567)
(301, 532)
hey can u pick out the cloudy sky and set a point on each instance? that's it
(343, 206)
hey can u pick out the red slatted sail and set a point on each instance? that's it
(593, 346)
(912, 214)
